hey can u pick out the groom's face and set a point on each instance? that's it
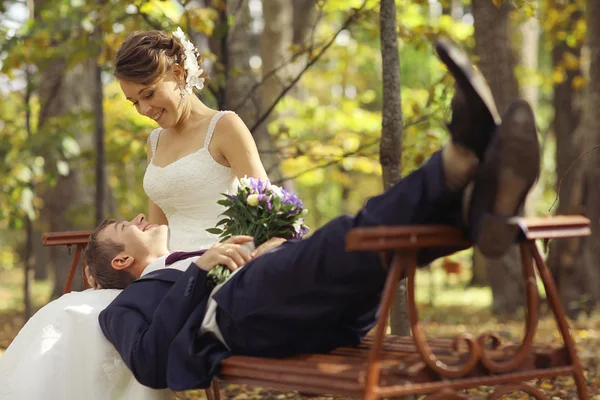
(139, 237)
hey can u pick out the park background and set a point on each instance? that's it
(313, 80)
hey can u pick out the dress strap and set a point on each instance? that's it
(154, 139)
(213, 123)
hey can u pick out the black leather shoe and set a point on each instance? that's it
(508, 171)
(474, 113)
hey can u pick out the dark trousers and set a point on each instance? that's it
(312, 295)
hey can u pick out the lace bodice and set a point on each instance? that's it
(187, 191)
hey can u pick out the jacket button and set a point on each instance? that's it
(188, 288)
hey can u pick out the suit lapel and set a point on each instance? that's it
(163, 274)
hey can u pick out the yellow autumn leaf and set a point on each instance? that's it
(578, 82)
(546, 385)
(498, 3)
(558, 75)
(571, 61)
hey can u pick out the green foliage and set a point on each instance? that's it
(327, 131)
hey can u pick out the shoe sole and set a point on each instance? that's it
(466, 75)
(516, 159)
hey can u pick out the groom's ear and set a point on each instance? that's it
(122, 261)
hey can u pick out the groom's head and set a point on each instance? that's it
(118, 251)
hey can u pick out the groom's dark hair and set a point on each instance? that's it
(98, 256)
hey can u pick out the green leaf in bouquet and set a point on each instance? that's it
(216, 276)
(287, 207)
(224, 202)
(246, 214)
(223, 221)
(276, 202)
(230, 212)
(230, 232)
(214, 231)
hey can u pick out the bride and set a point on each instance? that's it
(194, 156)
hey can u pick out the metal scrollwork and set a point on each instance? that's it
(480, 349)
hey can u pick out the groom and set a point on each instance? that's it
(311, 295)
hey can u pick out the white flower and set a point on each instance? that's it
(190, 64)
(298, 224)
(276, 190)
(252, 200)
(179, 34)
(244, 182)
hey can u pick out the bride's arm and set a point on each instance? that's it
(242, 157)
(155, 213)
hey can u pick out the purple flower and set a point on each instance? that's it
(293, 199)
(266, 200)
(258, 185)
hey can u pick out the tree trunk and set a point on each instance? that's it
(68, 202)
(29, 231)
(275, 43)
(497, 63)
(569, 184)
(530, 33)
(305, 14)
(390, 149)
(590, 269)
(100, 197)
(236, 49)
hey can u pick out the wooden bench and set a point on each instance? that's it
(391, 366)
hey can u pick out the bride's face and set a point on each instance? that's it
(159, 101)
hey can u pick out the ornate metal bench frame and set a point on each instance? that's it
(380, 367)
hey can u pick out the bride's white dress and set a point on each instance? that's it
(187, 191)
(61, 352)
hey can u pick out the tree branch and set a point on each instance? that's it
(353, 16)
(268, 75)
(329, 163)
(567, 171)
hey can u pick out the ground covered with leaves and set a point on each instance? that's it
(456, 309)
(449, 321)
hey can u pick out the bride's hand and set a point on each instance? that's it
(230, 253)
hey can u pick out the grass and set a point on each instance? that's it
(11, 291)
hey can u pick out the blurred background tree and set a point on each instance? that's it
(307, 78)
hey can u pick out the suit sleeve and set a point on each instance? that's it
(144, 323)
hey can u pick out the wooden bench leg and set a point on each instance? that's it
(561, 321)
(399, 263)
(214, 391)
(69, 282)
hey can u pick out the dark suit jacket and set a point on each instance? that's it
(153, 324)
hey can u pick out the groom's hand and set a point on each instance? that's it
(268, 246)
(229, 253)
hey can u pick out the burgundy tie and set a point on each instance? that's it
(182, 255)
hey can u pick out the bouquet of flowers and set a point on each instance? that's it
(261, 210)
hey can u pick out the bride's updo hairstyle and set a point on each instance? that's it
(145, 56)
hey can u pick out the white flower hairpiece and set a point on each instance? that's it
(190, 64)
